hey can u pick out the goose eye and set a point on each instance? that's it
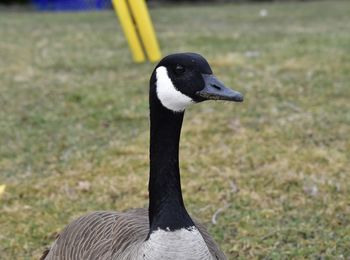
(179, 69)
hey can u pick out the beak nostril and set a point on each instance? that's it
(216, 86)
(216, 90)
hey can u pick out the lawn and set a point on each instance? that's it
(273, 170)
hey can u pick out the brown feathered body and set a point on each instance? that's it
(108, 235)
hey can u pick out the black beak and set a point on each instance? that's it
(216, 90)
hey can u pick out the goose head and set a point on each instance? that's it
(182, 79)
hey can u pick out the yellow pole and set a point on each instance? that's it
(122, 11)
(145, 28)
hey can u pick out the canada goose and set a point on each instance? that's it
(165, 230)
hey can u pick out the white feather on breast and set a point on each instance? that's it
(184, 244)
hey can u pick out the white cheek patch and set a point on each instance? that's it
(168, 95)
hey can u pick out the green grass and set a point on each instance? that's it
(74, 126)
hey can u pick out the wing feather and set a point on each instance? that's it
(110, 235)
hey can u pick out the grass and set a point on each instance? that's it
(74, 126)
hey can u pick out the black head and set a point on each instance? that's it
(184, 78)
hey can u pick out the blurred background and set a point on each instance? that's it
(269, 177)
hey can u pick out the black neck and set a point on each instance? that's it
(166, 207)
